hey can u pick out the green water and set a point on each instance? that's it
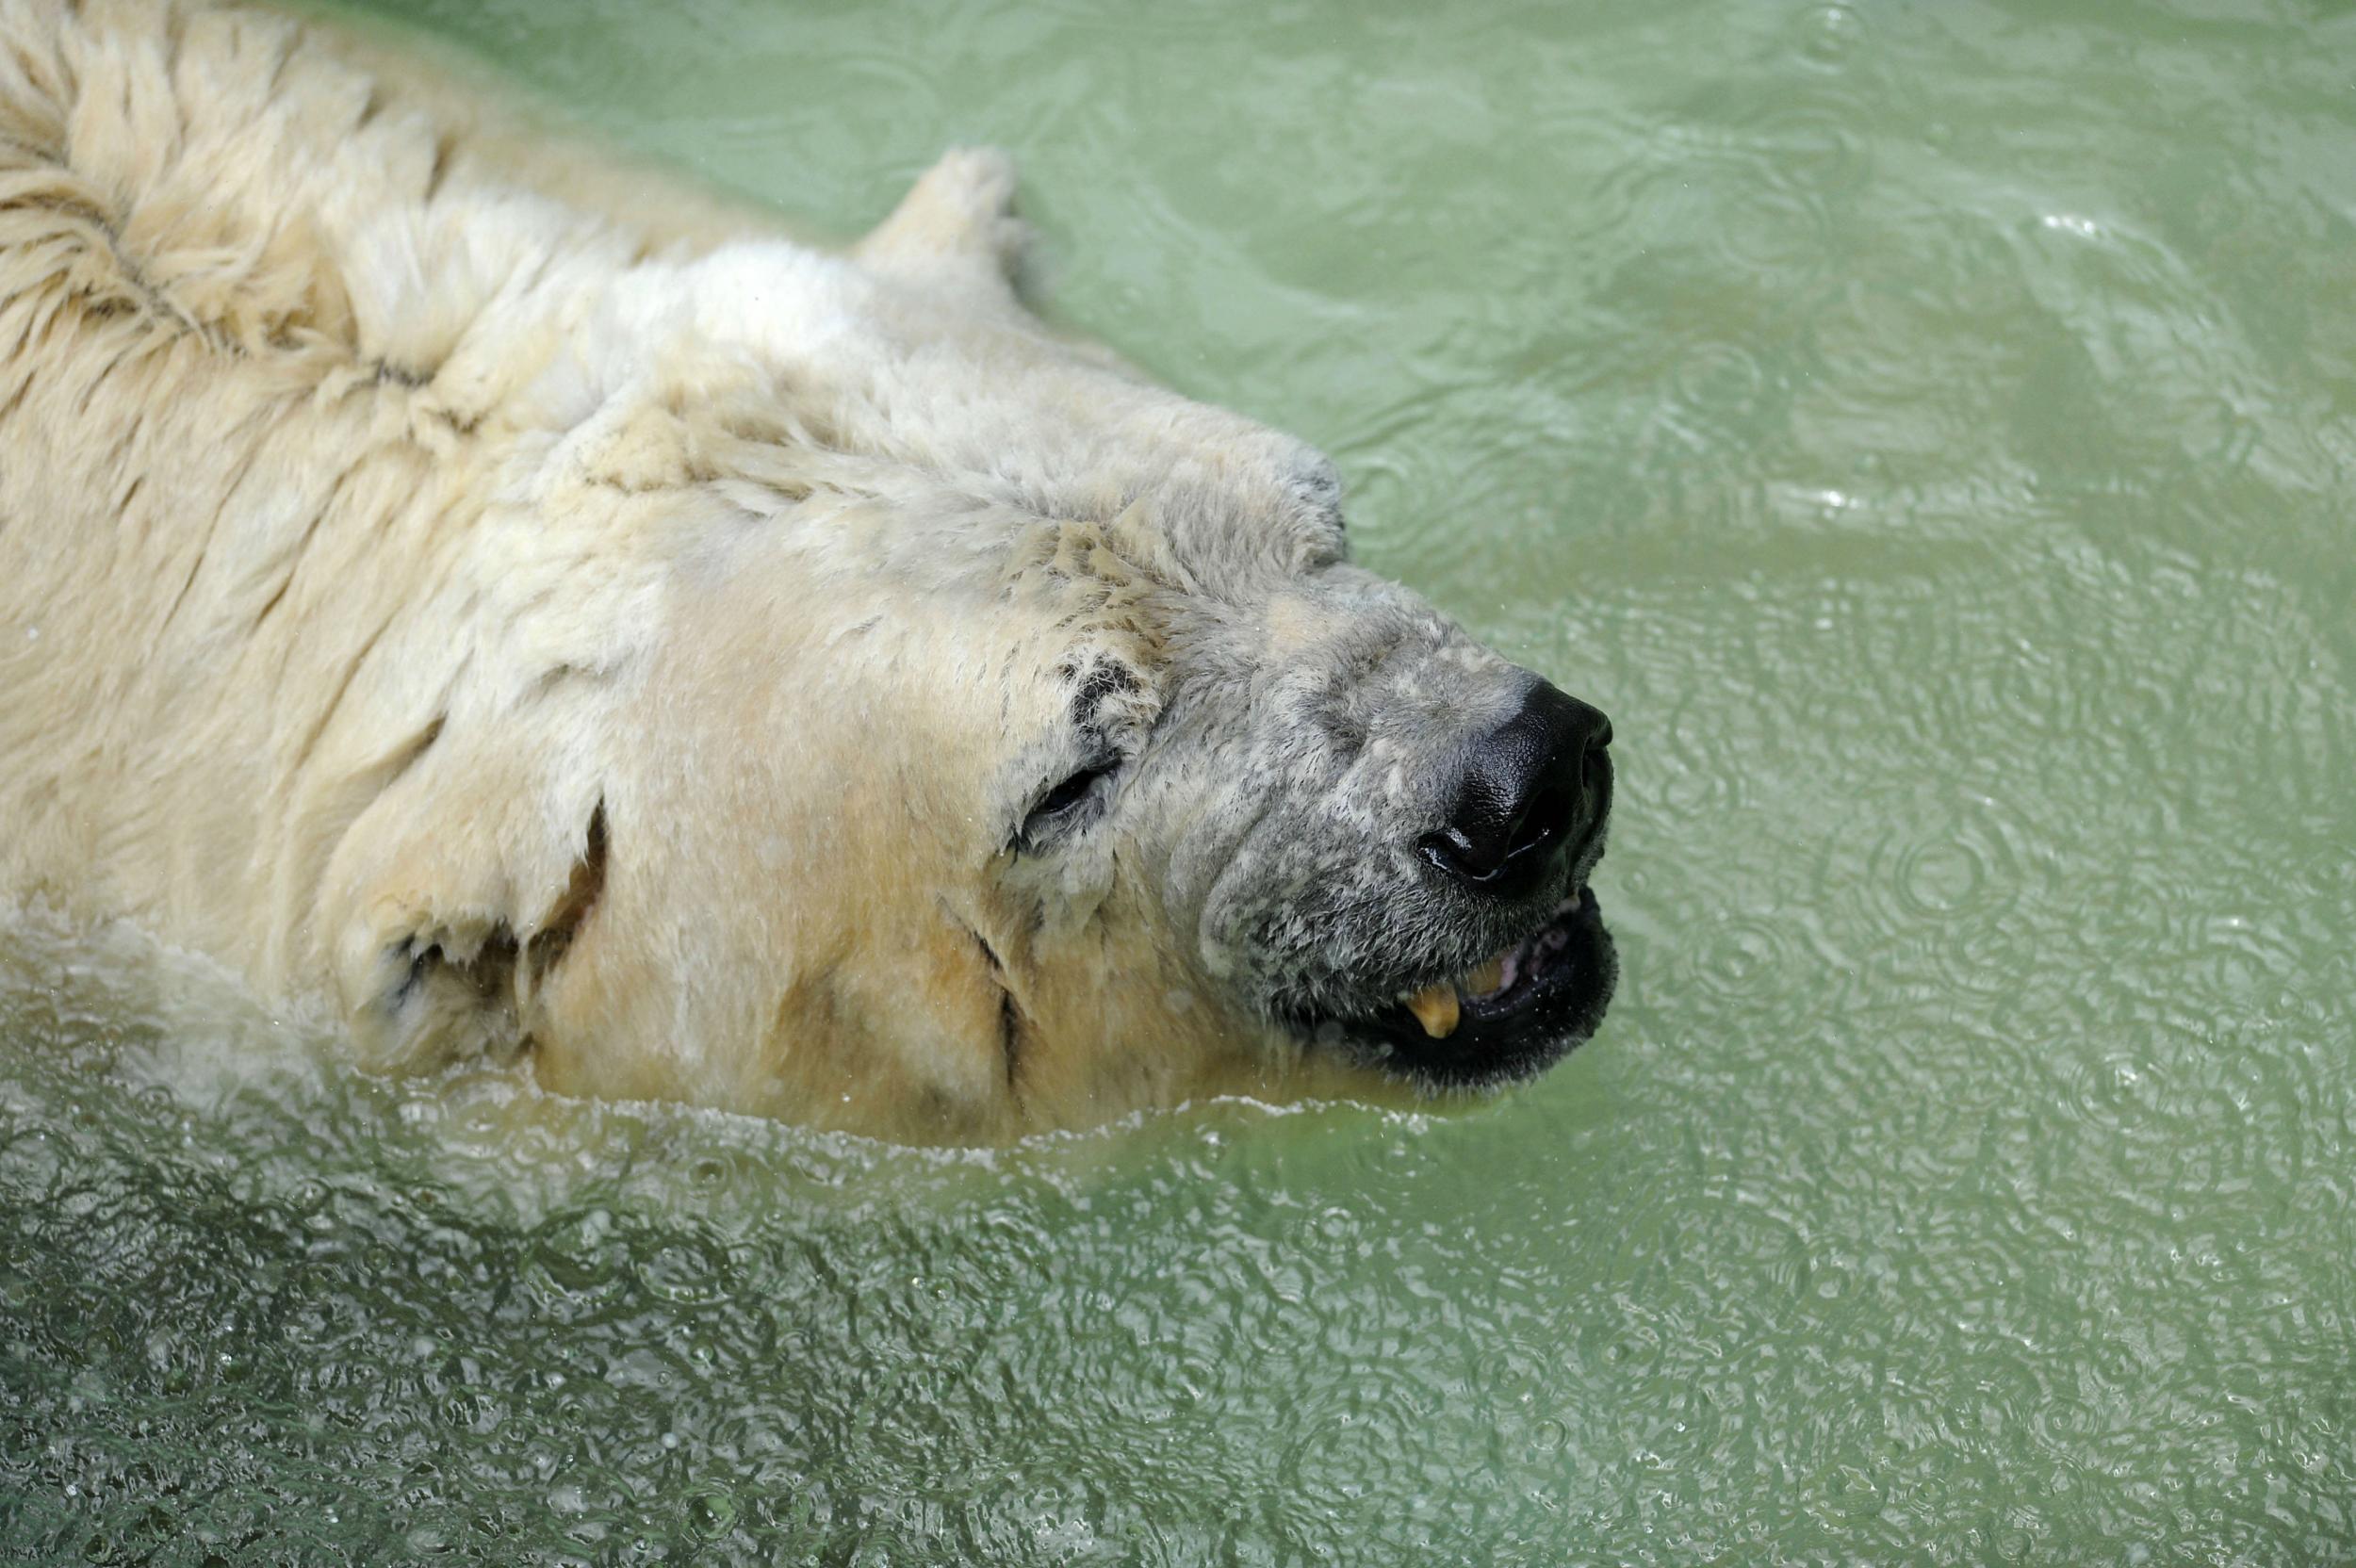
(1925, 428)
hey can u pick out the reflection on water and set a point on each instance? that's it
(1925, 430)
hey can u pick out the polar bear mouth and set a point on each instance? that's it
(1509, 1016)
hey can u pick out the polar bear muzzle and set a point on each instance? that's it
(1523, 834)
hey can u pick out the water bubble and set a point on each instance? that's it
(1831, 36)
(2107, 1088)
(710, 1514)
(1940, 880)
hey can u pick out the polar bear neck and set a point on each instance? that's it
(267, 328)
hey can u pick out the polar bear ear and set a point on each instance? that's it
(958, 221)
(461, 895)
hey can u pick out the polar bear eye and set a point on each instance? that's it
(1062, 807)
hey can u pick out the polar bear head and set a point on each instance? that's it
(1003, 742)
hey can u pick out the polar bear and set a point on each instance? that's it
(540, 615)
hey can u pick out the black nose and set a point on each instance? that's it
(1535, 783)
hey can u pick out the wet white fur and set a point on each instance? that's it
(387, 493)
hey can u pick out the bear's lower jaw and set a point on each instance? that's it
(1528, 1007)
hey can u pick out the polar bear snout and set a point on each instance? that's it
(1434, 921)
(1531, 788)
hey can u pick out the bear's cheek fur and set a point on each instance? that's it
(793, 829)
(863, 1005)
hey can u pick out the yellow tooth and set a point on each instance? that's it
(1436, 1008)
(1488, 977)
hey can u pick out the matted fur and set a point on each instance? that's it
(536, 611)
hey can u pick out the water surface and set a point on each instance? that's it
(1926, 429)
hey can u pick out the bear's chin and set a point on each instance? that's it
(1550, 994)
